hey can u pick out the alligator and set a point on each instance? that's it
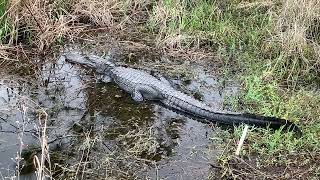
(144, 86)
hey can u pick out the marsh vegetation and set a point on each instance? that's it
(272, 49)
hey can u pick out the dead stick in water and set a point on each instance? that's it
(243, 136)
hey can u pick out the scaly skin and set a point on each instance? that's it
(143, 86)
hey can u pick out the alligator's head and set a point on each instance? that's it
(90, 61)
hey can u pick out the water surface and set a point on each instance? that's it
(96, 126)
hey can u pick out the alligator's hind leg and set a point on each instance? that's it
(145, 92)
(106, 79)
(103, 78)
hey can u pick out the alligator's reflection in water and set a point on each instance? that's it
(96, 126)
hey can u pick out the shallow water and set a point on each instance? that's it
(80, 108)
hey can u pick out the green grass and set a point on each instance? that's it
(196, 19)
(266, 149)
(274, 84)
(239, 34)
(3, 7)
(4, 25)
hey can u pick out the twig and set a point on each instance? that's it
(38, 24)
(253, 168)
(243, 136)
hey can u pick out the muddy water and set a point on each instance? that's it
(90, 121)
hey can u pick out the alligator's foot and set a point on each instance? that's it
(137, 96)
(106, 79)
(103, 78)
(145, 92)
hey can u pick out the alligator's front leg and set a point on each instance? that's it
(163, 79)
(142, 92)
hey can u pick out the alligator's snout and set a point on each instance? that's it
(77, 58)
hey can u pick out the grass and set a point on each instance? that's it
(272, 47)
(278, 149)
(189, 24)
(278, 69)
(4, 25)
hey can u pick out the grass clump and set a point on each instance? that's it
(296, 38)
(38, 23)
(211, 24)
(266, 151)
(276, 59)
(41, 24)
(188, 23)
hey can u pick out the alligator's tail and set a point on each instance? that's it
(252, 119)
(233, 118)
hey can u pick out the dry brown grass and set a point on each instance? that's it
(99, 12)
(162, 16)
(42, 21)
(171, 36)
(144, 142)
(112, 14)
(26, 106)
(4, 55)
(42, 171)
(41, 24)
(296, 32)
